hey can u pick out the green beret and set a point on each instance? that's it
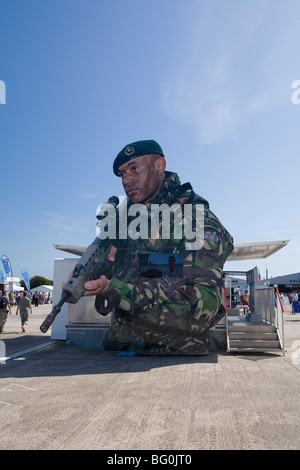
(136, 149)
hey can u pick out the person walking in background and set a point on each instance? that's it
(36, 299)
(24, 306)
(4, 309)
(11, 298)
(246, 298)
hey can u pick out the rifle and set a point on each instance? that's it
(91, 266)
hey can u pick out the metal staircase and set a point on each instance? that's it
(252, 338)
(264, 329)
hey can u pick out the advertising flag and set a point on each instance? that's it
(1, 276)
(6, 266)
(26, 279)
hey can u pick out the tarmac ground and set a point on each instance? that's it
(53, 397)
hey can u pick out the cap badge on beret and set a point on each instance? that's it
(134, 150)
(129, 150)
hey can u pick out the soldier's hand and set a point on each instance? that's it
(100, 286)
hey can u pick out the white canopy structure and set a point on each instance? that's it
(42, 289)
(242, 251)
(258, 250)
(74, 249)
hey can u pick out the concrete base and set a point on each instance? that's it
(90, 336)
(217, 339)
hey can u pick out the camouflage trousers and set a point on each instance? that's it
(127, 335)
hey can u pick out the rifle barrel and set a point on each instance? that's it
(51, 317)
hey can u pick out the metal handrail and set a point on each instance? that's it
(268, 311)
(226, 319)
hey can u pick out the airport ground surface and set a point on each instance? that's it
(55, 397)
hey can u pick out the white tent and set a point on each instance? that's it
(42, 289)
(16, 288)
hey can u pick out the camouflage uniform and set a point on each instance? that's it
(169, 315)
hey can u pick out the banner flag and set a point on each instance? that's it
(6, 266)
(1, 276)
(26, 279)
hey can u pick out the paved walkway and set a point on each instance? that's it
(54, 397)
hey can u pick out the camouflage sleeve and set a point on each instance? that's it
(205, 265)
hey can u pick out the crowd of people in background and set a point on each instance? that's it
(36, 298)
(244, 298)
(24, 301)
(292, 296)
(241, 298)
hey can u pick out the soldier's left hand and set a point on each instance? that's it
(100, 286)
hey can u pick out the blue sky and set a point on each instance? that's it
(210, 80)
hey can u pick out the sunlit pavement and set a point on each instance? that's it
(55, 397)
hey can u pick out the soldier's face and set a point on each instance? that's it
(142, 177)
